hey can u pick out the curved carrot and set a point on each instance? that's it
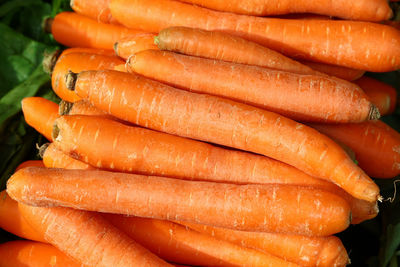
(95, 9)
(131, 45)
(77, 62)
(71, 29)
(33, 254)
(338, 42)
(30, 163)
(308, 211)
(40, 113)
(377, 145)
(12, 221)
(55, 158)
(296, 96)
(87, 237)
(337, 71)
(224, 122)
(381, 94)
(367, 10)
(303, 250)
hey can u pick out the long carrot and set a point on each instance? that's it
(303, 250)
(381, 94)
(33, 254)
(358, 45)
(12, 221)
(81, 107)
(131, 45)
(87, 237)
(40, 113)
(30, 163)
(307, 211)
(153, 105)
(95, 9)
(377, 145)
(367, 10)
(333, 70)
(78, 62)
(296, 96)
(71, 29)
(55, 158)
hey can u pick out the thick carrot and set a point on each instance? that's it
(87, 237)
(358, 45)
(33, 254)
(95, 9)
(81, 107)
(40, 113)
(180, 244)
(131, 45)
(381, 94)
(367, 10)
(30, 163)
(157, 106)
(12, 221)
(376, 144)
(303, 250)
(55, 158)
(78, 62)
(299, 97)
(333, 70)
(71, 29)
(307, 211)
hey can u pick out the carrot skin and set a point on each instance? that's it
(55, 158)
(309, 211)
(95, 9)
(344, 73)
(30, 163)
(128, 46)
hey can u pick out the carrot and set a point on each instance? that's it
(377, 145)
(393, 23)
(97, 10)
(12, 221)
(358, 45)
(303, 250)
(381, 94)
(30, 163)
(78, 62)
(367, 10)
(179, 244)
(131, 45)
(40, 113)
(87, 237)
(81, 107)
(55, 158)
(160, 107)
(120, 68)
(308, 211)
(71, 29)
(33, 254)
(333, 70)
(296, 96)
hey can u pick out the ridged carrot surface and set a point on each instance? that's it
(30, 163)
(334, 70)
(95, 9)
(55, 158)
(308, 211)
(295, 96)
(338, 42)
(131, 45)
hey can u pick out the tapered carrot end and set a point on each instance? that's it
(71, 3)
(333, 253)
(42, 149)
(374, 113)
(47, 24)
(70, 80)
(64, 107)
(49, 60)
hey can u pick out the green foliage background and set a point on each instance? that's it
(22, 45)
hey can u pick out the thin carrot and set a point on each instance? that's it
(120, 68)
(40, 113)
(33, 254)
(131, 45)
(333, 70)
(367, 10)
(303, 250)
(299, 97)
(55, 158)
(377, 145)
(78, 62)
(71, 29)
(87, 237)
(381, 94)
(160, 107)
(30, 163)
(358, 45)
(12, 221)
(307, 211)
(95, 9)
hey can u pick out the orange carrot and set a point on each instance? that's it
(180, 244)
(131, 45)
(87, 237)
(308, 211)
(381, 94)
(12, 221)
(303, 250)
(33, 254)
(71, 29)
(337, 71)
(78, 62)
(30, 163)
(367, 10)
(55, 158)
(377, 145)
(120, 68)
(40, 113)
(81, 107)
(94, 9)
(160, 107)
(358, 45)
(296, 96)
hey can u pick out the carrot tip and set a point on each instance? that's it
(49, 60)
(55, 132)
(47, 25)
(374, 113)
(70, 80)
(42, 149)
(64, 107)
(71, 3)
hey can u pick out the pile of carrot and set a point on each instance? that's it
(206, 135)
